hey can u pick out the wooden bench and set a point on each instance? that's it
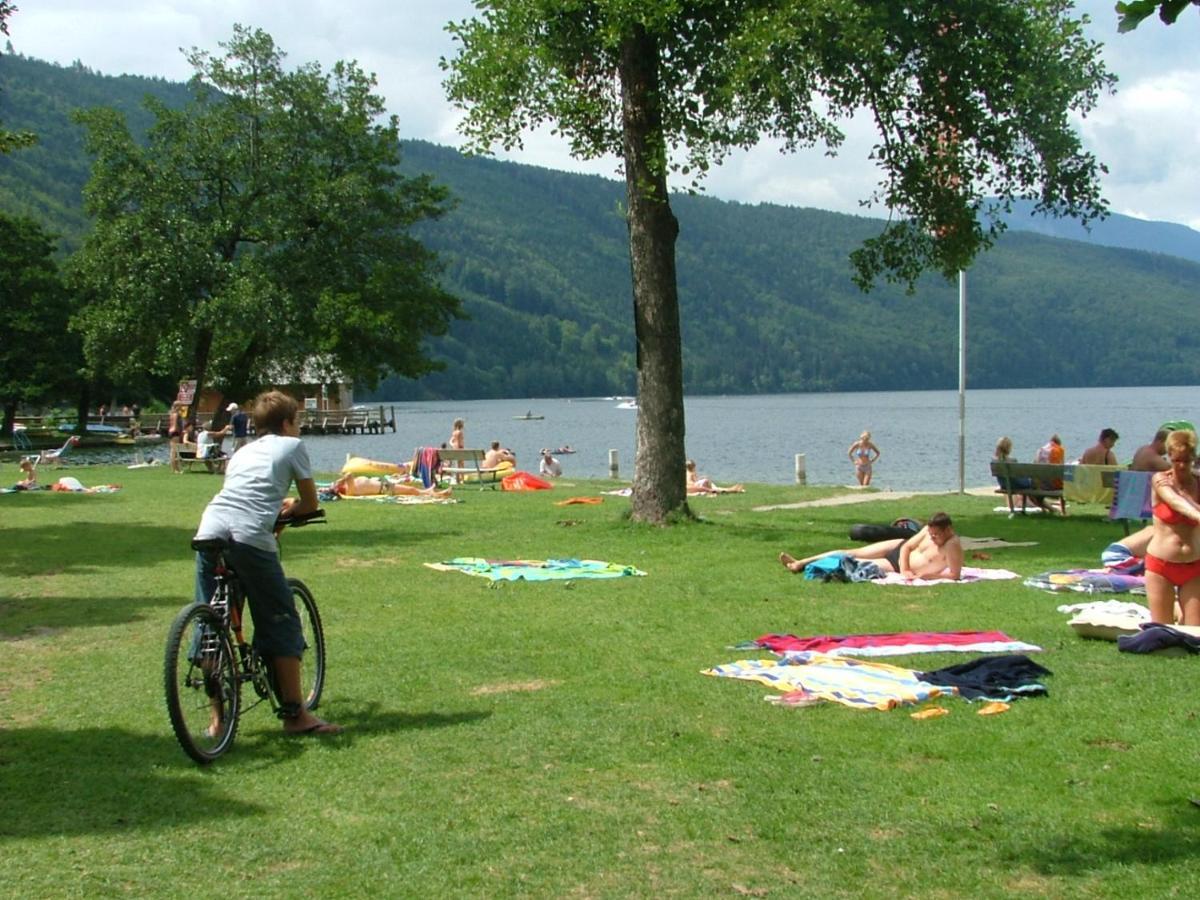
(1038, 479)
(184, 454)
(468, 464)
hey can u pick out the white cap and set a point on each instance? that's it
(232, 407)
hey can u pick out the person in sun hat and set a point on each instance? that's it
(240, 423)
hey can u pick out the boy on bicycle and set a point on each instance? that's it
(255, 493)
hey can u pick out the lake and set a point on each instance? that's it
(756, 438)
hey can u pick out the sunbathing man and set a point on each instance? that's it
(365, 486)
(934, 552)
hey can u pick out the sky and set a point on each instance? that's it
(1147, 133)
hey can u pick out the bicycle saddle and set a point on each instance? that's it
(209, 545)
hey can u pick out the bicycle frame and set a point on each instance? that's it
(228, 601)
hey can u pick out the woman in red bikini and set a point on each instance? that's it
(1173, 556)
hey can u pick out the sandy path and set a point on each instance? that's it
(872, 497)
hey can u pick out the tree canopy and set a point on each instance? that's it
(261, 231)
(970, 100)
(11, 140)
(35, 358)
(1131, 14)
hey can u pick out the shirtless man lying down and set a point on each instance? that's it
(934, 552)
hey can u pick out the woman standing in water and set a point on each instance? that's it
(863, 454)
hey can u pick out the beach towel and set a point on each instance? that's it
(1088, 581)
(1131, 496)
(523, 481)
(898, 643)
(850, 682)
(428, 462)
(969, 574)
(581, 501)
(1085, 484)
(534, 569)
(71, 485)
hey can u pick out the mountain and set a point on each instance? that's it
(540, 258)
(1114, 231)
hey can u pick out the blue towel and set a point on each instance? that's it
(1131, 495)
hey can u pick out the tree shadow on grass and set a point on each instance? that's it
(82, 547)
(104, 780)
(31, 617)
(1174, 839)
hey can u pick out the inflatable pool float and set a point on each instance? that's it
(359, 465)
(500, 471)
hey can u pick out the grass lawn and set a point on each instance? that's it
(558, 739)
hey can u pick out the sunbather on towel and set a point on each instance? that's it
(934, 552)
(364, 486)
(698, 484)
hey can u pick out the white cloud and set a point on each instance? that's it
(1145, 133)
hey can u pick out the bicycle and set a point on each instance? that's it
(208, 658)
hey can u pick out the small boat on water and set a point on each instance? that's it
(628, 404)
(528, 417)
(564, 449)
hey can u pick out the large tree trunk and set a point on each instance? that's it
(659, 485)
(200, 354)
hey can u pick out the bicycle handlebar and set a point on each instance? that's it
(316, 517)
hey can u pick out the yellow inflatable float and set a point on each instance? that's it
(360, 465)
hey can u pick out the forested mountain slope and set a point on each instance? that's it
(540, 258)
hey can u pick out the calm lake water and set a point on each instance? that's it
(756, 438)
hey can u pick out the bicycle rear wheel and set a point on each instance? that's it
(201, 680)
(312, 664)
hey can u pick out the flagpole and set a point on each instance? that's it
(962, 381)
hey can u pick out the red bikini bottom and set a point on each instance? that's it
(1178, 573)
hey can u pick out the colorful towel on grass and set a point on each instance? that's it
(1088, 581)
(899, 643)
(969, 574)
(579, 501)
(851, 682)
(871, 685)
(534, 569)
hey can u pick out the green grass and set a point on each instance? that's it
(557, 739)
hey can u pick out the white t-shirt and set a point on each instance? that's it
(257, 479)
(550, 467)
(206, 445)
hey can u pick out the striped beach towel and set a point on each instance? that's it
(850, 682)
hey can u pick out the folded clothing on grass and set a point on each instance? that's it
(534, 569)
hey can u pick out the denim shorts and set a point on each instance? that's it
(277, 630)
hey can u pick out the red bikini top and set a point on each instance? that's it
(1168, 516)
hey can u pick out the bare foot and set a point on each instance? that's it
(792, 564)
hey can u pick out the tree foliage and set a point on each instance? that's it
(261, 232)
(11, 140)
(1131, 14)
(970, 100)
(36, 359)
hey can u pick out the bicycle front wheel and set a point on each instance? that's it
(312, 664)
(201, 680)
